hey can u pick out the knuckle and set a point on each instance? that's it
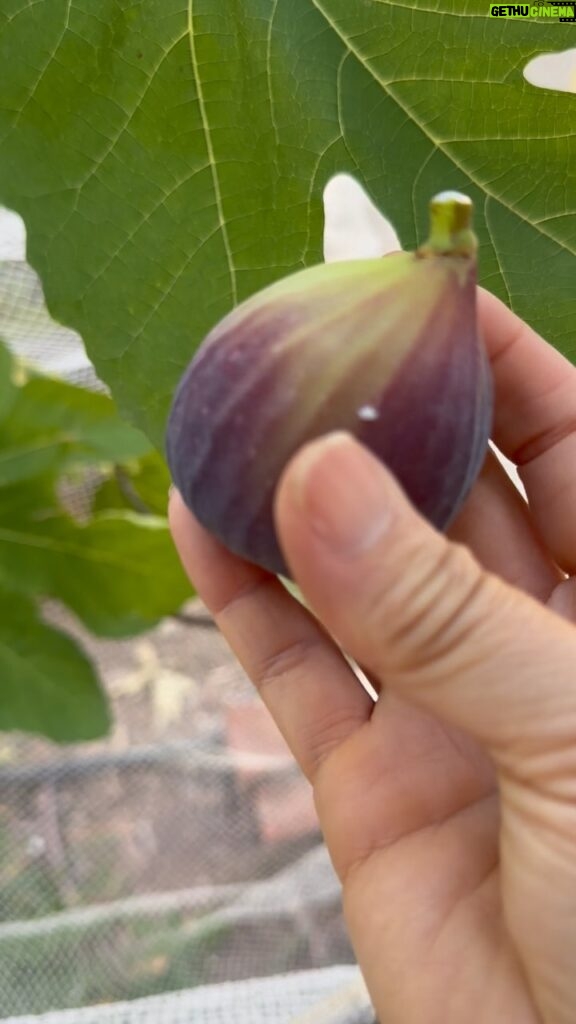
(328, 731)
(431, 609)
(288, 661)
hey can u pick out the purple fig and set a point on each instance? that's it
(387, 349)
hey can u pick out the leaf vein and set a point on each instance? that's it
(113, 142)
(269, 69)
(166, 294)
(210, 151)
(22, 10)
(140, 223)
(45, 66)
(495, 248)
(80, 551)
(425, 129)
(417, 177)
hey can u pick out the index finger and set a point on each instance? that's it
(312, 693)
(535, 421)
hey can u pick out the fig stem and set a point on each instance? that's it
(451, 231)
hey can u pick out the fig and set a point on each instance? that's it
(387, 349)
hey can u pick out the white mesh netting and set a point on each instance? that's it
(330, 996)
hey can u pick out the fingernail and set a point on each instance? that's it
(337, 486)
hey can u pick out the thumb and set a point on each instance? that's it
(417, 610)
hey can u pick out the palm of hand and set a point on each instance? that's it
(412, 814)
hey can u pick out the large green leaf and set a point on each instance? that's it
(169, 157)
(48, 685)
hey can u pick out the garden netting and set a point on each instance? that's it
(173, 872)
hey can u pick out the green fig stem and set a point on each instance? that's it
(451, 231)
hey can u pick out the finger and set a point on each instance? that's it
(312, 693)
(535, 421)
(496, 525)
(418, 609)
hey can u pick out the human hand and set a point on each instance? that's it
(449, 805)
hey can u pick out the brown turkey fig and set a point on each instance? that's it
(387, 349)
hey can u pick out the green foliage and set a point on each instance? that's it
(142, 485)
(169, 160)
(48, 685)
(115, 568)
(84, 426)
(8, 390)
(118, 572)
(52, 425)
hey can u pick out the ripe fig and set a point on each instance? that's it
(387, 349)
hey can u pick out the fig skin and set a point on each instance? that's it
(387, 349)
